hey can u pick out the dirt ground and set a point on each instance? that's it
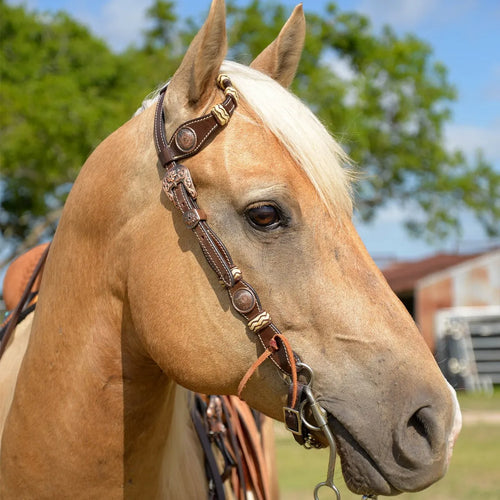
(481, 416)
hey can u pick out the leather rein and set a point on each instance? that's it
(187, 140)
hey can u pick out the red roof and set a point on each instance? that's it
(403, 276)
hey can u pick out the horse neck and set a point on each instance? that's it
(163, 458)
(85, 377)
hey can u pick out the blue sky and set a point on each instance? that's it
(465, 36)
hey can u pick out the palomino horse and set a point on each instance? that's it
(130, 314)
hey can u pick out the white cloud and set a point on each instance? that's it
(340, 66)
(29, 4)
(410, 14)
(119, 22)
(401, 13)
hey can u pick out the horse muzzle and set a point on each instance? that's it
(417, 457)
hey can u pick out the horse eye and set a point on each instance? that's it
(264, 217)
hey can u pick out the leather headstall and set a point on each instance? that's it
(187, 140)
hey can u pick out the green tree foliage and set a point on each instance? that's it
(383, 96)
(162, 32)
(56, 87)
(62, 92)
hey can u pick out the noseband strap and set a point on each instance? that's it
(188, 139)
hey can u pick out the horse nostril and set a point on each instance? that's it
(415, 442)
(419, 424)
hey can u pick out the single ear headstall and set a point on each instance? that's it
(188, 139)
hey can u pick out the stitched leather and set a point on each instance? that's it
(205, 129)
(190, 138)
(240, 437)
(18, 275)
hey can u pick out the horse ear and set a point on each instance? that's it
(195, 78)
(281, 58)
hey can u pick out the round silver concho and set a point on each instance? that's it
(243, 300)
(185, 139)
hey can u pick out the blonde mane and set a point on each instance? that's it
(298, 129)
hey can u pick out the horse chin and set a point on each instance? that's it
(361, 474)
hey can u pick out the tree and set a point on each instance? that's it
(382, 95)
(62, 91)
(161, 33)
(56, 82)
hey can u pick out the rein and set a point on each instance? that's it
(25, 305)
(187, 140)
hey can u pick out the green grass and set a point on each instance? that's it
(480, 401)
(474, 472)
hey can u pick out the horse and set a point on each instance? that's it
(131, 317)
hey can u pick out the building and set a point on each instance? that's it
(455, 291)
(404, 276)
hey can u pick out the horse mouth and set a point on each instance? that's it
(361, 473)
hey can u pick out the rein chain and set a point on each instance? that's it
(187, 140)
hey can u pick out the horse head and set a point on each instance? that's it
(274, 188)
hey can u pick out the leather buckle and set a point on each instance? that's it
(293, 421)
(175, 175)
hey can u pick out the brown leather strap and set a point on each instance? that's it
(247, 303)
(16, 313)
(233, 431)
(19, 273)
(190, 138)
(238, 480)
(248, 458)
(252, 448)
(216, 486)
(193, 135)
(243, 297)
(214, 250)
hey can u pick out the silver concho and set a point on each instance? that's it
(185, 139)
